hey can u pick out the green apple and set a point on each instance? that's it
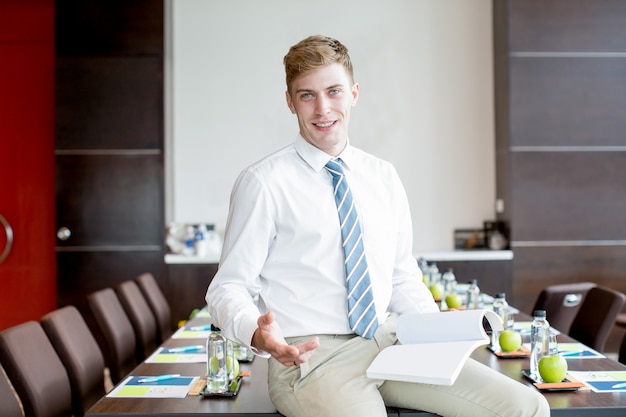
(234, 385)
(552, 368)
(454, 300)
(229, 366)
(509, 340)
(214, 365)
(437, 291)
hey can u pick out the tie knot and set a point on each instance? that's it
(334, 167)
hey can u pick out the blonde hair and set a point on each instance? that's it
(315, 52)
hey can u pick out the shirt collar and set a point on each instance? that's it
(316, 158)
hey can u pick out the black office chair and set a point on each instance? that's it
(622, 351)
(141, 317)
(78, 350)
(117, 332)
(11, 405)
(596, 317)
(37, 373)
(158, 304)
(561, 303)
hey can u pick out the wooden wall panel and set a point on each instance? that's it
(567, 25)
(501, 106)
(560, 101)
(567, 101)
(568, 196)
(109, 102)
(540, 266)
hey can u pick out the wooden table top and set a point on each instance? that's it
(253, 399)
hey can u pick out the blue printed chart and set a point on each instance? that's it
(602, 381)
(578, 351)
(184, 354)
(132, 387)
(192, 332)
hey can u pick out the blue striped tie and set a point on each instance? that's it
(361, 308)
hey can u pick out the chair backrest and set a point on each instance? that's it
(141, 317)
(117, 332)
(158, 304)
(596, 317)
(11, 405)
(78, 350)
(622, 351)
(561, 303)
(37, 373)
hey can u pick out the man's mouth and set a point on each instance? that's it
(325, 124)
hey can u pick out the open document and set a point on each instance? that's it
(433, 346)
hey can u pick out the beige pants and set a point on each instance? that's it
(333, 383)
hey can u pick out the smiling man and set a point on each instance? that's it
(317, 265)
(322, 100)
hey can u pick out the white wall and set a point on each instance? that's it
(426, 100)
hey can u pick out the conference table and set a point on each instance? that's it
(253, 398)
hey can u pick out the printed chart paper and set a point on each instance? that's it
(192, 332)
(164, 355)
(170, 388)
(578, 351)
(602, 381)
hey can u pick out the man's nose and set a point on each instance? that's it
(322, 106)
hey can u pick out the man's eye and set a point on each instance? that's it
(306, 96)
(334, 92)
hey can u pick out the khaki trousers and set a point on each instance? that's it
(333, 383)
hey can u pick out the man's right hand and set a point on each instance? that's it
(269, 338)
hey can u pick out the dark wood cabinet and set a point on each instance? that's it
(110, 200)
(109, 102)
(109, 144)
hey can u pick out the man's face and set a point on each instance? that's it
(322, 100)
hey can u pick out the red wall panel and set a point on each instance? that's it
(28, 275)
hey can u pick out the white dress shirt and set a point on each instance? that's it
(283, 245)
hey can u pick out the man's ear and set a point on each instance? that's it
(289, 103)
(355, 93)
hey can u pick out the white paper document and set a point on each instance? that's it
(433, 346)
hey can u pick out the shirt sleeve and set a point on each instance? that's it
(249, 231)
(409, 293)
